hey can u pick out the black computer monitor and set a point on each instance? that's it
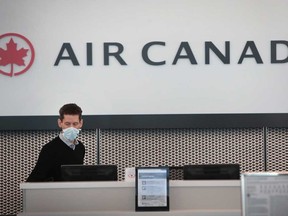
(211, 172)
(89, 172)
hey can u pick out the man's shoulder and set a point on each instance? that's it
(54, 142)
(80, 145)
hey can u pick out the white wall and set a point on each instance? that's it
(138, 87)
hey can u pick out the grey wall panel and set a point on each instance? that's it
(233, 120)
(177, 147)
(277, 149)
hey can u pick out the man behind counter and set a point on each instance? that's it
(64, 149)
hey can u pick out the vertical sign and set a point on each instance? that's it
(152, 189)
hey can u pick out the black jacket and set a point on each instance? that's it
(52, 156)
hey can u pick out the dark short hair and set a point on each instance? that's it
(70, 109)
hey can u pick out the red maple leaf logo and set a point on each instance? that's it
(12, 56)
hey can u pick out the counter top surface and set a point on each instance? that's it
(113, 184)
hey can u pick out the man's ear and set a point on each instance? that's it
(81, 123)
(59, 123)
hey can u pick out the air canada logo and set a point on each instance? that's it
(16, 54)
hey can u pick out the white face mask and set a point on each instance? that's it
(71, 133)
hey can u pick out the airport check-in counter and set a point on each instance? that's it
(187, 197)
